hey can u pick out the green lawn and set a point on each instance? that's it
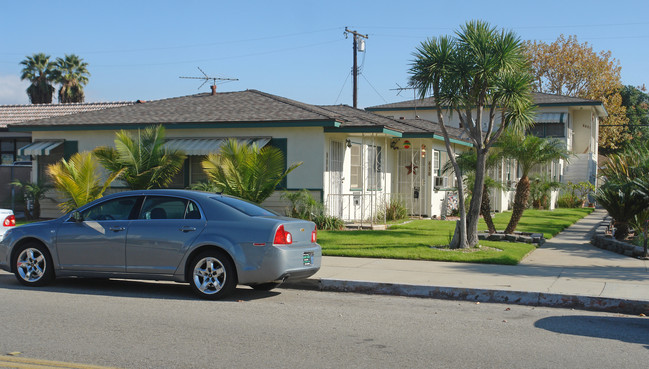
(414, 239)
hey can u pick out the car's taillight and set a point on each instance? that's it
(314, 235)
(10, 221)
(282, 237)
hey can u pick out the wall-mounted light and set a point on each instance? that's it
(348, 142)
(423, 151)
(393, 144)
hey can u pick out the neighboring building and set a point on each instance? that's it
(572, 120)
(354, 160)
(12, 143)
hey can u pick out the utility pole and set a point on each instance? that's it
(357, 37)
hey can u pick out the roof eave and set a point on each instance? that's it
(364, 129)
(175, 125)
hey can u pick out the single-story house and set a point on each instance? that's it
(574, 121)
(355, 161)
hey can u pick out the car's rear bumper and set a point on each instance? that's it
(284, 262)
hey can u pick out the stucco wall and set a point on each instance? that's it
(303, 144)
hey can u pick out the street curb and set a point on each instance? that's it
(593, 303)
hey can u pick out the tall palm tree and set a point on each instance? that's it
(78, 180)
(247, 171)
(529, 151)
(142, 160)
(72, 75)
(482, 76)
(41, 72)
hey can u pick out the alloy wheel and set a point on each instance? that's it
(209, 275)
(31, 265)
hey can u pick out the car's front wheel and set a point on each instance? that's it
(34, 265)
(213, 275)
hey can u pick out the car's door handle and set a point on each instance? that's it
(187, 229)
(117, 229)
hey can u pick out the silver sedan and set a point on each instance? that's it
(211, 241)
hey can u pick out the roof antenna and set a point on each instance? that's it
(213, 79)
(411, 87)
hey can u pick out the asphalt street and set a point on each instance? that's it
(133, 324)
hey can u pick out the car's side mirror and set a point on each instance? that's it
(76, 216)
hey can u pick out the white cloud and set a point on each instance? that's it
(12, 90)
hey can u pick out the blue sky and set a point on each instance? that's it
(296, 49)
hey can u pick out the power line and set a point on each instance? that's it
(220, 58)
(194, 45)
(342, 88)
(375, 90)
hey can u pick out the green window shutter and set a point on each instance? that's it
(282, 145)
(70, 148)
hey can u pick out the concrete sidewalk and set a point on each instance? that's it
(567, 271)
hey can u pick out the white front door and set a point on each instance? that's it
(412, 185)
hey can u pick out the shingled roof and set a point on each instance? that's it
(242, 108)
(540, 99)
(225, 107)
(408, 127)
(11, 114)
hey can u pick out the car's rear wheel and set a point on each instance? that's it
(34, 265)
(213, 275)
(265, 286)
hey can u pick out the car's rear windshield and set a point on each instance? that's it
(245, 207)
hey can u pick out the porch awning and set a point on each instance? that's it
(39, 147)
(551, 118)
(205, 146)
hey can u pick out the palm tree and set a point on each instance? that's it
(529, 151)
(467, 163)
(482, 76)
(247, 171)
(142, 161)
(41, 72)
(625, 194)
(78, 180)
(34, 192)
(623, 203)
(72, 75)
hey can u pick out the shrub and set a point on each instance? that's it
(569, 201)
(540, 191)
(328, 222)
(576, 194)
(394, 210)
(304, 206)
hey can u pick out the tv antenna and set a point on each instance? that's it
(401, 89)
(414, 93)
(214, 80)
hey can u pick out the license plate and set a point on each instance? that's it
(307, 258)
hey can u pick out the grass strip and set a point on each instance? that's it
(425, 239)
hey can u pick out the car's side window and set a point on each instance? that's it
(192, 211)
(115, 209)
(163, 207)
